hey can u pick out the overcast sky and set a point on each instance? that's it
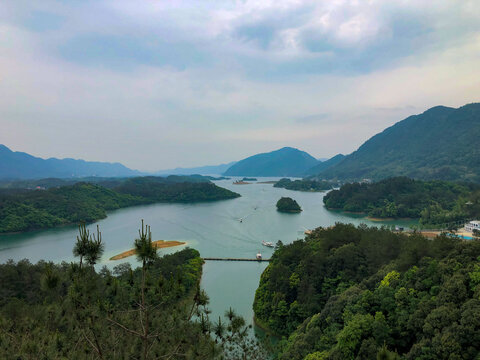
(161, 84)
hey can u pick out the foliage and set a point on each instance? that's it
(434, 202)
(88, 246)
(303, 185)
(82, 314)
(286, 204)
(156, 311)
(86, 202)
(366, 293)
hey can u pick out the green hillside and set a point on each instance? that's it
(23, 210)
(367, 293)
(284, 162)
(433, 202)
(442, 143)
(324, 165)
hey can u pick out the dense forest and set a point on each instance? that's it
(22, 210)
(433, 202)
(303, 185)
(349, 292)
(108, 182)
(156, 311)
(288, 205)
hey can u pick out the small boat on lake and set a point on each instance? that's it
(267, 243)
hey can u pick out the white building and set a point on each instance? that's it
(472, 225)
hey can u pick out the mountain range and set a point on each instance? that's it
(442, 143)
(20, 165)
(16, 165)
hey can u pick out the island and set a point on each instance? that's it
(28, 209)
(304, 185)
(159, 244)
(249, 179)
(288, 205)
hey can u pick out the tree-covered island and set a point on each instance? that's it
(303, 185)
(288, 205)
(23, 210)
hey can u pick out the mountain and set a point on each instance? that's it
(442, 143)
(284, 162)
(20, 165)
(203, 170)
(325, 164)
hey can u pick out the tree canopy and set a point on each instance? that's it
(286, 204)
(351, 292)
(22, 210)
(433, 202)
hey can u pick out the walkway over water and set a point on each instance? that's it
(233, 259)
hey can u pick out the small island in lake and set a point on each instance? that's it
(249, 179)
(286, 204)
(159, 244)
(303, 185)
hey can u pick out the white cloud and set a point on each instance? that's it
(265, 64)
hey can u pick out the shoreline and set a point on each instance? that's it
(159, 244)
(75, 223)
(265, 328)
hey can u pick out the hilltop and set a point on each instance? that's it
(440, 143)
(283, 162)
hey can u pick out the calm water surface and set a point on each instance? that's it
(212, 228)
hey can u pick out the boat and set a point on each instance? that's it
(267, 243)
(259, 256)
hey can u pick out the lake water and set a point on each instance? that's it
(212, 228)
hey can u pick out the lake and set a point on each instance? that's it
(212, 228)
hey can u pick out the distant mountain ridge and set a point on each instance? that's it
(286, 161)
(441, 143)
(325, 164)
(201, 170)
(20, 165)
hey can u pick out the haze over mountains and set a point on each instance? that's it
(283, 162)
(441, 143)
(202, 170)
(20, 165)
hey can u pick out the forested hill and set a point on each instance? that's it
(284, 162)
(441, 143)
(359, 293)
(434, 202)
(324, 165)
(22, 210)
(20, 165)
(156, 311)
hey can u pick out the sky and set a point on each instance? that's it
(164, 84)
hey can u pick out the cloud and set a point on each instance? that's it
(166, 84)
